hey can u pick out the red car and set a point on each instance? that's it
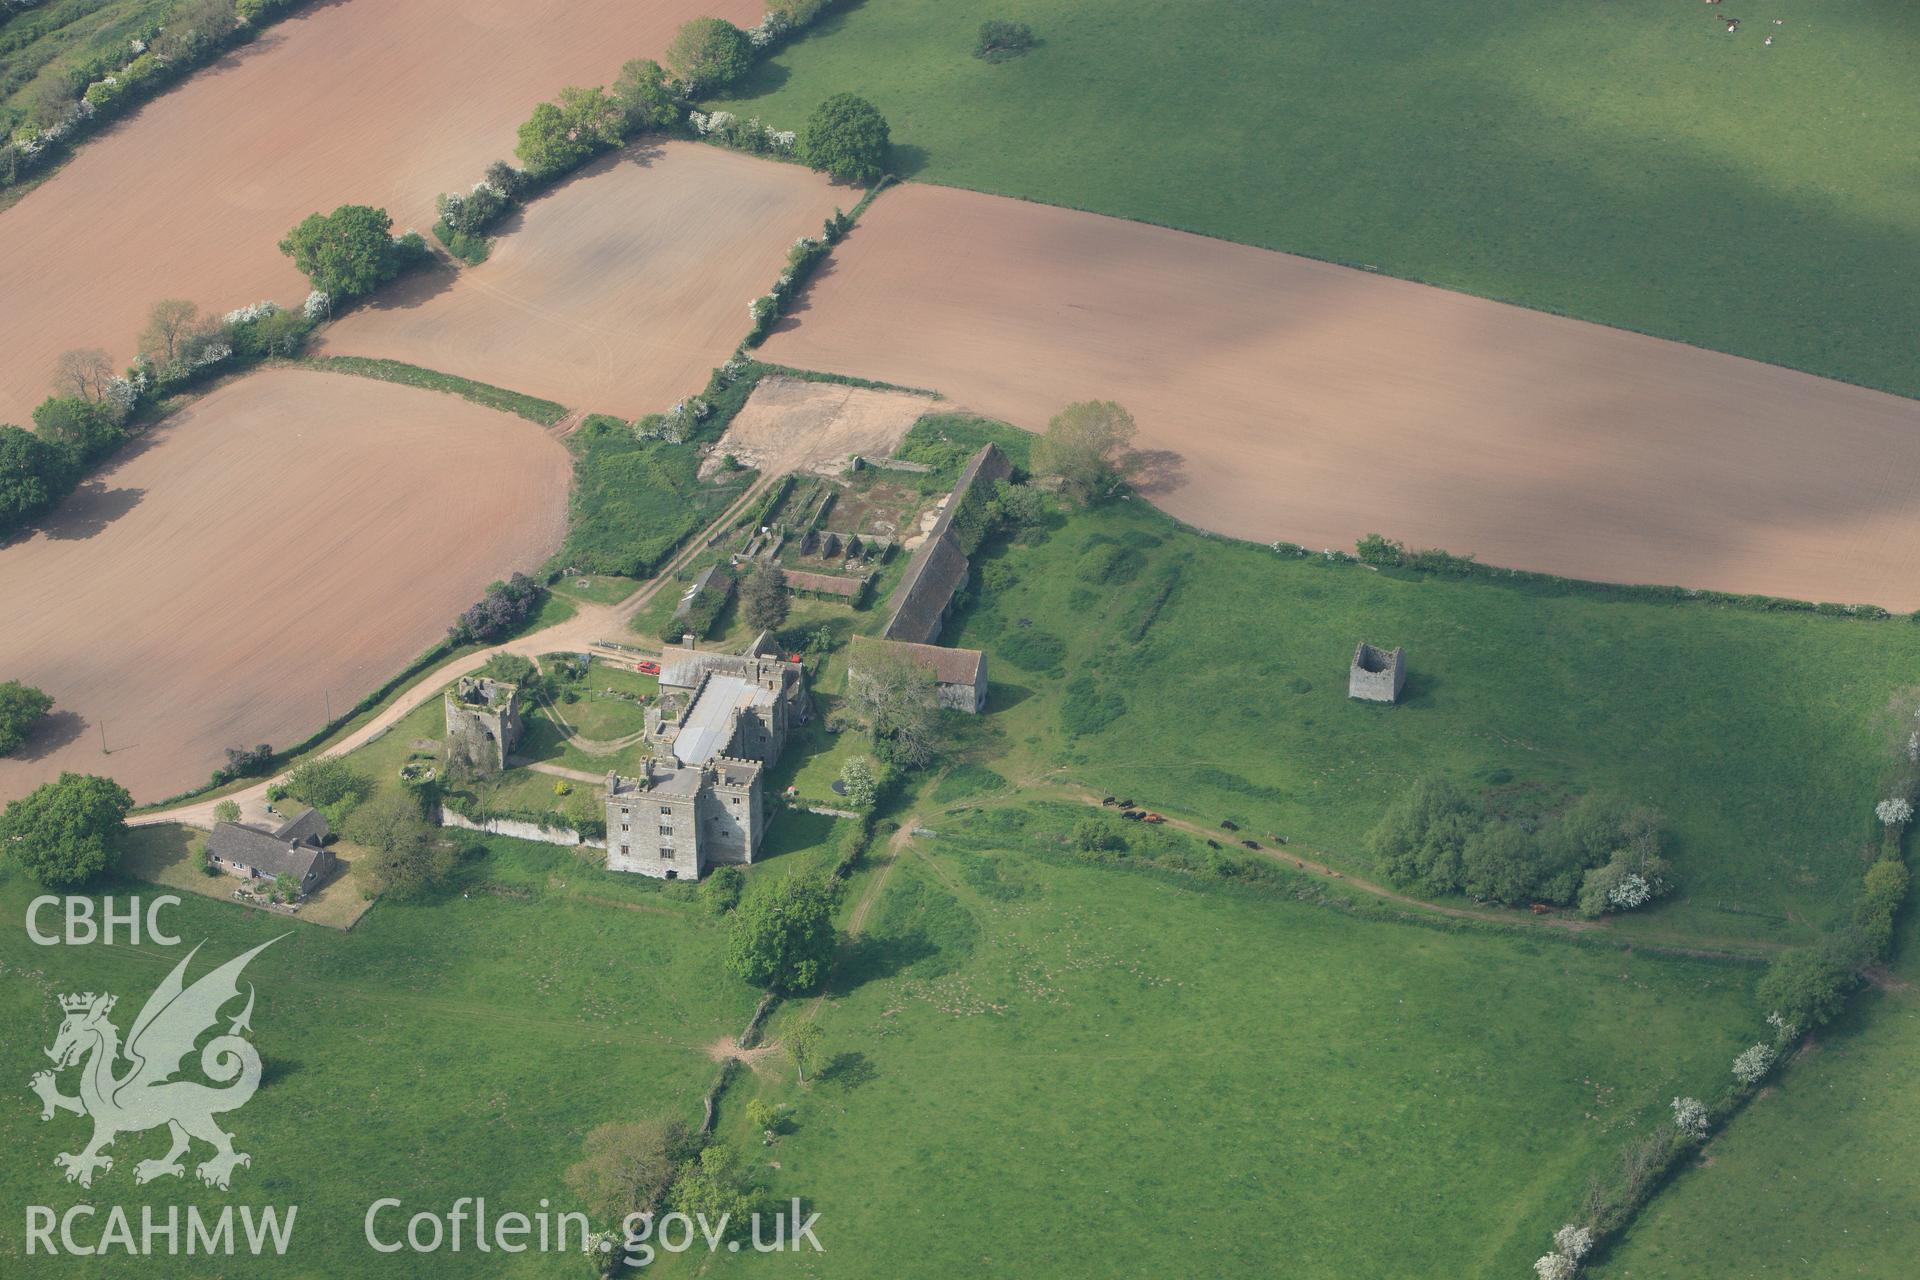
(647, 668)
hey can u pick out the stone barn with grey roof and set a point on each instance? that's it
(939, 567)
(959, 675)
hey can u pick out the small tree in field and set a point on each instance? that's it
(804, 1048)
(857, 782)
(1085, 445)
(846, 138)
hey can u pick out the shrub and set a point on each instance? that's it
(1690, 1117)
(846, 138)
(1000, 40)
(505, 607)
(1420, 839)
(720, 891)
(1032, 649)
(1112, 565)
(646, 96)
(1809, 986)
(857, 783)
(328, 781)
(1092, 835)
(244, 762)
(1382, 552)
(1087, 708)
(1753, 1063)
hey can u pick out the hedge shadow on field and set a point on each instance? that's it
(89, 510)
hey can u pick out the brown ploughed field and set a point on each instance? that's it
(292, 538)
(617, 292)
(354, 102)
(1283, 398)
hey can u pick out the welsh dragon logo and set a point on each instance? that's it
(145, 1095)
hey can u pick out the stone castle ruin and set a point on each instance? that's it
(698, 802)
(483, 724)
(1377, 675)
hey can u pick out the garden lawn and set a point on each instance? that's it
(1762, 737)
(459, 1046)
(1630, 163)
(1040, 1067)
(1815, 1178)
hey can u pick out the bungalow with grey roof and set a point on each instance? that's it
(294, 853)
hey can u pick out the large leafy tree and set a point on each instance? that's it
(783, 939)
(846, 138)
(1086, 445)
(709, 54)
(763, 596)
(21, 706)
(627, 1167)
(68, 831)
(408, 857)
(347, 252)
(899, 702)
(34, 474)
(85, 429)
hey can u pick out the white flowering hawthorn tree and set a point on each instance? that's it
(1894, 811)
(1555, 1266)
(1753, 1063)
(1575, 1242)
(1690, 1117)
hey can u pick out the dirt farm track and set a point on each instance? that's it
(356, 101)
(292, 538)
(1283, 398)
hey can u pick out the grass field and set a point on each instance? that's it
(1653, 172)
(459, 1046)
(634, 501)
(532, 408)
(1222, 670)
(1043, 1068)
(1816, 1177)
(40, 43)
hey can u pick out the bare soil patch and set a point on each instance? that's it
(616, 293)
(790, 424)
(277, 550)
(1283, 398)
(358, 101)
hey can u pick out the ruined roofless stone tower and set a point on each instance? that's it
(483, 722)
(1377, 675)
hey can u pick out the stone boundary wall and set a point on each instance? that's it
(519, 829)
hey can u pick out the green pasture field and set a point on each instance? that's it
(635, 501)
(1039, 1067)
(1816, 1177)
(1631, 163)
(458, 1046)
(43, 41)
(1217, 675)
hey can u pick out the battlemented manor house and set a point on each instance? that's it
(720, 721)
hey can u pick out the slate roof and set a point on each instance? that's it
(939, 567)
(264, 851)
(308, 825)
(825, 583)
(949, 666)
